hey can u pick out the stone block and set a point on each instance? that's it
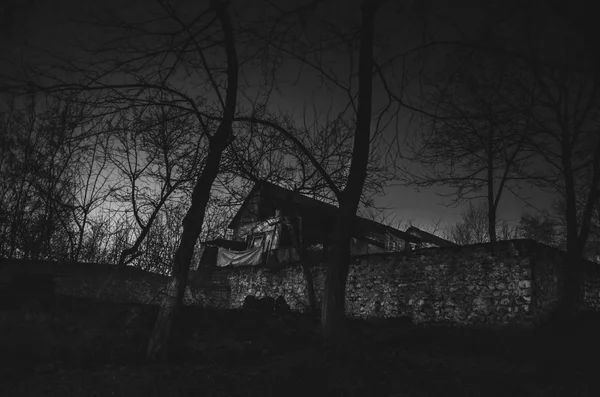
(524, 284)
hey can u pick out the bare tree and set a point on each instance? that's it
(179, 55)
(540, 227)
(562, 89)
(474, 227)
(189, 56)
(268, 153)
(192, 224)
(347, 187)
(182, 56)
(472, 141)
(334, 301)
(555, 92)
(157, 155)
(40, 157)
(93, 187)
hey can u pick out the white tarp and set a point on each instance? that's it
(250, 257)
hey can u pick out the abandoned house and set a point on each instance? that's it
(277, 225)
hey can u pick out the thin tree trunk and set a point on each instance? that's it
(192, 223)
(308, 277)
(142, 236)
(310, 288)
(490, 192)
(129, 254)
(80, 236)
(192, 226)
(492, 225)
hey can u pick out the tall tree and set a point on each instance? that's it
(192, 224)
(334, 301)
(556, 88)
(567, 138)
(346, 188)
(471, 141)
(179, 55)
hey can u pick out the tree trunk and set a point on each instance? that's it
(334, 296)
(192, 223)
(192, 226)
(129, 254)
(577, 235)
(571, 299)
(492, 226)
(132, 252)
(572, 286)
(77, 253)
(571, 292)
(310, 288)
(308, 277)
(490, 192)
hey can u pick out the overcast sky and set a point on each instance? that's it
(50, 24)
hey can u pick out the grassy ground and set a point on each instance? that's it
(87, 348)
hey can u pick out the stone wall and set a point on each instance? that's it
(455, 285)
(518, 284)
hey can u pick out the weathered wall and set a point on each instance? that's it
(434, 285)
(519, 283)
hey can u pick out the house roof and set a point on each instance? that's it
(430, 238)
(282, 194)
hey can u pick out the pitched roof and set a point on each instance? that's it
(430, 238)
(283, 194)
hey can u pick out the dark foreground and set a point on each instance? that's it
(87, 348)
